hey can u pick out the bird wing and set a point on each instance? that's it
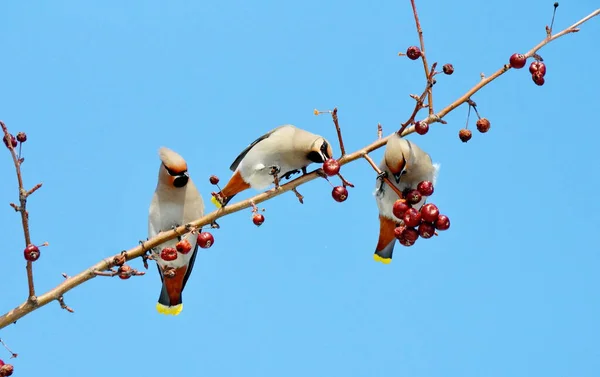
(239, 158)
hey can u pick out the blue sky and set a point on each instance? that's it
(509, 290)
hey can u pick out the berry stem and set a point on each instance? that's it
(549, 31)
(13, 355)
(22, 209)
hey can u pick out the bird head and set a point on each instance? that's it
(173, 170)
(398, 156)
(320, 151)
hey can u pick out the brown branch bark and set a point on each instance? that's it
(138, 251)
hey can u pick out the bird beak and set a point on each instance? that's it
(398, 175)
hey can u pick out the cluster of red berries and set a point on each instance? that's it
(11, 141)
(331, 167)
(418, 223)
(537, 68)
(5, 369)
(205, 240)
(483, 126)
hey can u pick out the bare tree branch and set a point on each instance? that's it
(57, 293)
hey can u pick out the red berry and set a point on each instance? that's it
(412, 217)
(442, 222)
(517, 61)
(331, 167)
(214, 180)
(398, 231)
(426, 230)
(31, 253)
(184, 246)
(21, 137)
(6, 370)
(168, 254)
(258, 219)
(410, 234)
(538, 78)
(399, 209)
(483, 125)
(413, 53)
(448, 69)
(413, 197)
(124, 272)
(430, 212)
(464, 135)
(425, 188)
(9, 140)
(408, 237)
(205, 240)
(339, 193)
(1, 362)
(421, 127)
(537, 66)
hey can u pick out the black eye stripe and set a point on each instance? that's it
(324, 147)
(173, 173)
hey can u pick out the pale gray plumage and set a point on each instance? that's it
(287, 148)
(176, 202)
(406, 165)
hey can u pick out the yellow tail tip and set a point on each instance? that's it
(169, 310)
(214, 201)
(381, 259)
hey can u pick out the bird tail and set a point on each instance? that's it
(167, 306)
(386, 242)
(226, 199)
(385, 255)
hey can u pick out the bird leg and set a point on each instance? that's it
(275, 170)
(381, 176)
(289, 174)
(304, 172)
(174, 227)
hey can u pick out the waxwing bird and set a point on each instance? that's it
(279, 153)
(405, 165)
(176, 202)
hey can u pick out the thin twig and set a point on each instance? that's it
(61, 301)
(22, 208)
(298, 195)
(423, 56)
(339, 130)
(419, 101)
